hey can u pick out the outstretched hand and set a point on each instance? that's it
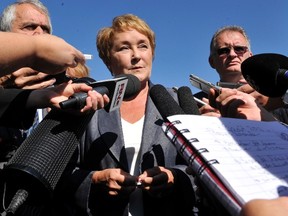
(51, 97)
(54, 54)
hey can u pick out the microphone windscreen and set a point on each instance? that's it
(187, 101)
(133, 85)
(164, 102)
(41, 159)
(264, 73)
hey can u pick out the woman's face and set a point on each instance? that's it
(131, 54)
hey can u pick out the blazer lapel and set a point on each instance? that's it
(111, 123)
(150, 129)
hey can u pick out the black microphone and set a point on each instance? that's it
(187, 101)
(164, 102)
(113, 88)
(267, 73)
(41, 159)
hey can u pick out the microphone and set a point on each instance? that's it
(164, 102)
(187, 101)
(17, 201)
(41, 159)
(113, 88)
(267, 73)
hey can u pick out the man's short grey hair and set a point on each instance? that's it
(8, 14)
(232, 28)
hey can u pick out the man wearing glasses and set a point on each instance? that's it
(229, 47)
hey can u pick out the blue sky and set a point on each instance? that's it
(183, 30)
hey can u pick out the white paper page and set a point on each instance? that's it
(252, 156)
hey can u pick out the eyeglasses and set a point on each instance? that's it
(239, 50)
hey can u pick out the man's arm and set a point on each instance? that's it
(46, 53)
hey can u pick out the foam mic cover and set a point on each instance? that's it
(164, 102)
(187, 101)
(42, 158)
(267, 73)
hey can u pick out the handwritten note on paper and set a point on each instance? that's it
(252, 156)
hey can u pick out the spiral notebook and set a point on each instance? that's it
(237, 160)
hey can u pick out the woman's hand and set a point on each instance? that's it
(157, 181)
(116, 180)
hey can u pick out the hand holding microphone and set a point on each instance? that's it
(122, 86)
